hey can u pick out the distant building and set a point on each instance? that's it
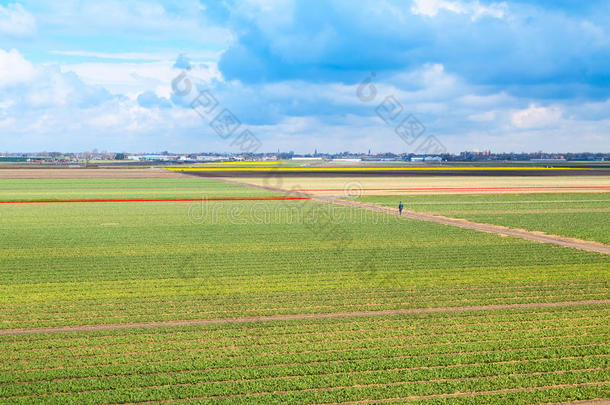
(13, 159)
(148, 157)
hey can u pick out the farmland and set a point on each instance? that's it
(543, 355)
(437, 185)
(583, 216)
(507, 320)
(121, 188)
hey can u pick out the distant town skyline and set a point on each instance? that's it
(279, 155)
(506, 76)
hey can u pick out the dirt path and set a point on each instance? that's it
(294, 317)
(541, 237)
(496, 229)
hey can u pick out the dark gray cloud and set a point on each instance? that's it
(547, 49)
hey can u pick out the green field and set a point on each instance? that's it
(576, 215)
(65, 264)
(549, 355)
(99, 189)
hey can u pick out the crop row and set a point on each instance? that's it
(25, 315)
(365, 263)
(465, 318)
(430, 325)
(257, 350)
(295, 369)
(302, 305)
(518, 289)
(205, 308)
(409, 383)
(397, 393)
(358, 330)
(424, 289)
(249, 284)
(338, 345)
(298, 268)
(353, 360)
(294, 352)
(379, 336)
(196, 315)
(334, 252)
(297, 372)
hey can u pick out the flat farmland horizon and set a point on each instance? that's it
(244, 295)
(305, 202)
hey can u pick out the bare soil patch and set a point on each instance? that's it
(384, 185)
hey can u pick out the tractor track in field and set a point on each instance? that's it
(295, 317)
(541, 237)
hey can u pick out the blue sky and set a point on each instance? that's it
(506, 76)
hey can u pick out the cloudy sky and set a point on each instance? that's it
(506, 76)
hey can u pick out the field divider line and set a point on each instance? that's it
(452, 324)
(294, 317)
(409, 328)
(403, 331)
(311, 309)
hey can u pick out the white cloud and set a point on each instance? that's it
(38, 88)
(14, 69)
(132, 79)
(4, 104)
(106, 120)
(536, 117)
(483, 117)
(7, 122)
(431, 8)
(60, 109)
(15, 21)
(132, 56)
(496, 10)
(476, 10)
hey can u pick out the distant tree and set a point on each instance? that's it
(119, 156)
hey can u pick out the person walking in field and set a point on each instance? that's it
(400, 207)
